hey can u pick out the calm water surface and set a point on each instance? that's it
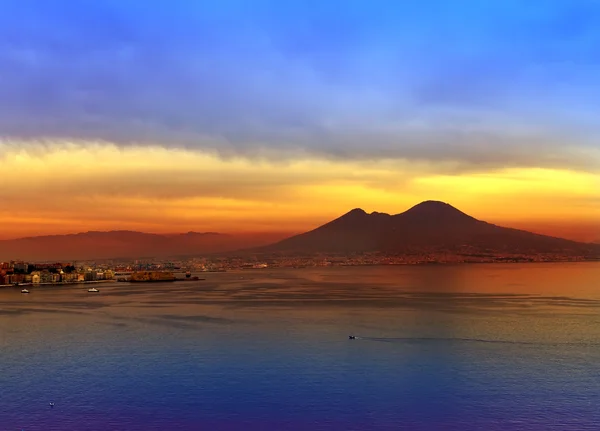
(473, 347)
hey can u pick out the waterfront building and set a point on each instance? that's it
(46, 277)
(90, 276)
(66, 277)
(35, 277)
(20, 267)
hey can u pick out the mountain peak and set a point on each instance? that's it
(431, 204)
(357, 211)
(436, 210)
(429, 227)
(354, 218)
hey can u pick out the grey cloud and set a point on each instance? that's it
(282, 79)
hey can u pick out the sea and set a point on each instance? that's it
(437, 347)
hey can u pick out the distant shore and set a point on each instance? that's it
(311, 265)
(69, 283)
(29, 284)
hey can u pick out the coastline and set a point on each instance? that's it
(56, 284)
(29, 284)
(308, 265)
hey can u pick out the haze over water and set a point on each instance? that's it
(440, 347)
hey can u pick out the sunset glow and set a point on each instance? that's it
(63, 187)
(216, 116)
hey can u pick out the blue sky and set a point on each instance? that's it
(481, 83)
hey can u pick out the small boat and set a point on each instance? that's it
(93, 289)
(351, 337)
(24, 291)
(51, 405)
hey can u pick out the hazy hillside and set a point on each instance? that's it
(113, 244)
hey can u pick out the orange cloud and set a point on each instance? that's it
(69, 187)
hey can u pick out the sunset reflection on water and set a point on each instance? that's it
(437, 345)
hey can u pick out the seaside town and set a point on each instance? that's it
(19, 272)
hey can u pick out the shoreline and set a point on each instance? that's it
(29, 284)
(352, 265)
(94, 282)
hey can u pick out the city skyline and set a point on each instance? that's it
(217, 117)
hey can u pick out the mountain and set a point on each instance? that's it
(126, 244)
(430, 225)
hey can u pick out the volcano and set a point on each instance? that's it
(429, 225)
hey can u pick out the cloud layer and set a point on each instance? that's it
(73, 187)
(280, 115)
(480, 85)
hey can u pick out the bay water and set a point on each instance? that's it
(464, 347)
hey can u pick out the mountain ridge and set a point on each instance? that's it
(112, 244)
(428, 225)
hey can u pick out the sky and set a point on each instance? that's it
(264, 116)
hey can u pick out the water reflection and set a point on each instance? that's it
(451, 347)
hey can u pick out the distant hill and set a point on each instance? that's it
(125, 244)
(428, 225)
